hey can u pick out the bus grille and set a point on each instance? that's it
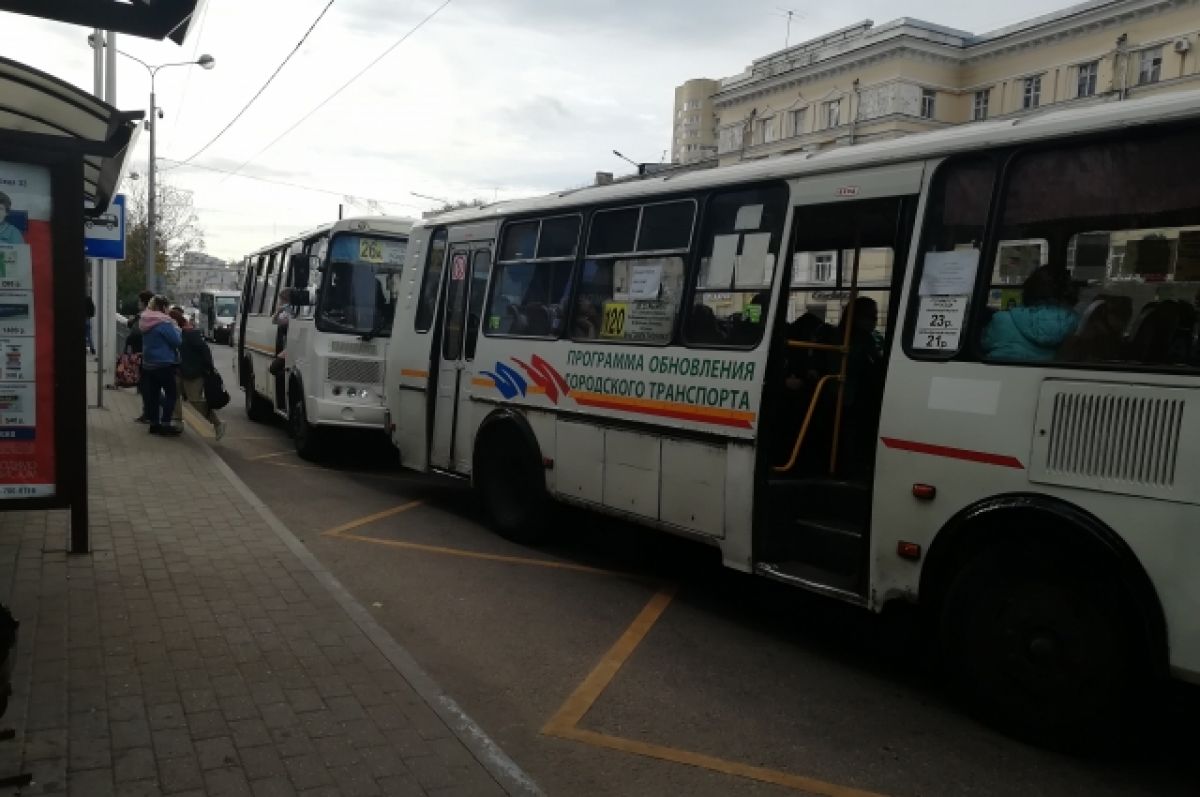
(358, 348)
(362, 372)
(1125, 438)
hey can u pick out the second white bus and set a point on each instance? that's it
(317, 359)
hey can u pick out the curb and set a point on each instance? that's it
(506, 772)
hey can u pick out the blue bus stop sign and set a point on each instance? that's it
(104, 235)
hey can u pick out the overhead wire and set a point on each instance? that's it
(331, 192)
(344, 86)
(187, 73)
(262, 88)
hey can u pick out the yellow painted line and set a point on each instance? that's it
(395, 477)
(490, 557)
(199, 425)
(564, 724)
(268, 456)
(714, 764)
(364, 521)
(581, 700)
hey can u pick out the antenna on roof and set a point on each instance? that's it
(788, 14)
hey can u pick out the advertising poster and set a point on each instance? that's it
(27, 466)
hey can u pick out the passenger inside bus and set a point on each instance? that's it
(1033, 331)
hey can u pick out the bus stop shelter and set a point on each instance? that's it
(61, 149)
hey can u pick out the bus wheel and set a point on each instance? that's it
(511, 487)
(258, 409)
(1043, 648)
(306, 436)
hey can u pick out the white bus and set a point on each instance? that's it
(956, 369)
(343, 279)
(217, 313)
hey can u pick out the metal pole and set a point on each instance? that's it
(98, 64)
(107, 277)
(151, 204)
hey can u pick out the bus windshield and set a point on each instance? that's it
(226, 306)
(359, 289)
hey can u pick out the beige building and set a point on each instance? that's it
(867, 82)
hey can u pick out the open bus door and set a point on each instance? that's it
(467, 268)
(825, 391)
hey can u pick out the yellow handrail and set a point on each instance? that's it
(808, 416)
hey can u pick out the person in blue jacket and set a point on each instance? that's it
(161, 339)
(1034, 331)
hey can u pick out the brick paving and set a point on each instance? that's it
(194, 652)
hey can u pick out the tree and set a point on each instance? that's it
(178, 232)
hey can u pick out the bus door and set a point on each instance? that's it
(467, 269)
(825, 390)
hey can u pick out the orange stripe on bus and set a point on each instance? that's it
(414, 373)
(667, 409)
(483, 381)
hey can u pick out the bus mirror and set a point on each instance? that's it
(302, 266)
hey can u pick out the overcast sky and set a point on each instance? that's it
(492, 98)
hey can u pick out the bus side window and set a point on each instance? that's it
(948, 260)
(431, 281)
(1099, 256)
(631, 285)
(531, 288)
(739, 248)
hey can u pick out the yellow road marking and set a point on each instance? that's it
(363, 521)
(491, 557)
(564, 723)
(199, 425)
(268, 456)
(720, 765)
(389, 476)
(586, 694)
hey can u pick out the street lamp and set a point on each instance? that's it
(205, 61)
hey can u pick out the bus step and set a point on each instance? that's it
(814, 579)
(830, 500)
(835, 547)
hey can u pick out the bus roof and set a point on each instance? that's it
(221, 292)
(969, 137)
(392, 225)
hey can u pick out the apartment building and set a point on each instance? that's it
(867, 82)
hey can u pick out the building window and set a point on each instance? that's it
(1086, 85)
(1033, 92)
(1150, 67)
(980, 110)
(799, 121)
(928, 98)
(833, 113)
(823, 267)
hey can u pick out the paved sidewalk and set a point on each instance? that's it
(201, 650)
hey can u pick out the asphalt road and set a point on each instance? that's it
(724, 685)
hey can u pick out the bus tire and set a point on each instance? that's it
(1044, 648)
(307, 438)
(512, 488)
(258, 409)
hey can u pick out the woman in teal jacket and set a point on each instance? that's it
(1034, 331)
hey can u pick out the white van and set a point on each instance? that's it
(218, 310)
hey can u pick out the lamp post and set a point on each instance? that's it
(206, 62)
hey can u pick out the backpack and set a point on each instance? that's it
(215, 395)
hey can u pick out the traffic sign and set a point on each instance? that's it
(104, 235)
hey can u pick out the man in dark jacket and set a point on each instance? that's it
(195, 363)
(89, 310)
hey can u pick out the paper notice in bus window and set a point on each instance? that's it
(949, 273)
(645, 279)
(749, 217)
(720, 265)
(393, 253)
(940, 323)
(649, 322)
(752, 265)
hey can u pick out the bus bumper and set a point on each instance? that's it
(357, 416)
